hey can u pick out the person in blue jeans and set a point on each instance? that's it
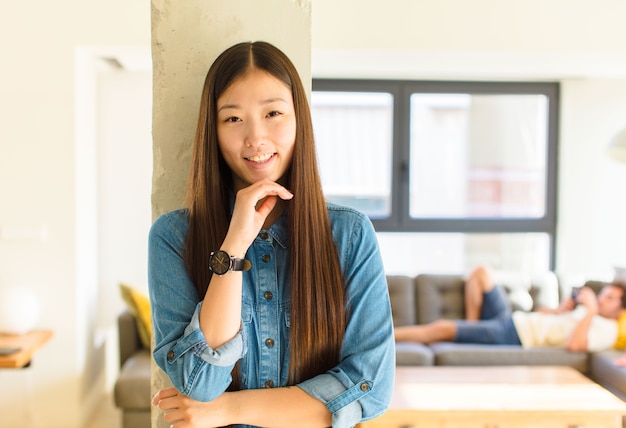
(269, 305)
(588, 322)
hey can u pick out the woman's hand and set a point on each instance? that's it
(253, 205)
(181, 411)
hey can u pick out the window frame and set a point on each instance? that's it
(401, 90)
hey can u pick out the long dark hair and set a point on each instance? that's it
(318, 312)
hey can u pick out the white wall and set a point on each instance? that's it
(592, 206)
(440, 26)
(124, 99)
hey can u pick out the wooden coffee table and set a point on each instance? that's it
(502, 397)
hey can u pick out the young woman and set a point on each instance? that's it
(270, 306)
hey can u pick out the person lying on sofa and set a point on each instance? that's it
(587, 324)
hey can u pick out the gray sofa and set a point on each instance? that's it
(414, 300)
(132, 388)
(425, 298)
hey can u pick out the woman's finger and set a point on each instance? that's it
(261, 190)
(162, 394)
(267, 206)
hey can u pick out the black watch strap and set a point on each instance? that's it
(241, 264)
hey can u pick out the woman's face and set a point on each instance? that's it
(256, 128)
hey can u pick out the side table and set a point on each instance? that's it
(27, 344)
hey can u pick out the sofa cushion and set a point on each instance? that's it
(545, 290)
(401, 294)
(414, 354)
(605, 372)
(439, 296)
(461, 354)
(620, 343)
(138, 304)
(518, 288)
(529, 291)
(128, 335)
(132, 388)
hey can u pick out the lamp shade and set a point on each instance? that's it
(617, 147)
(19, 310)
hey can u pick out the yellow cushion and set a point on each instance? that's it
(139, 305)
(621, 332)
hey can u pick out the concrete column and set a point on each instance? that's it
(186, 38)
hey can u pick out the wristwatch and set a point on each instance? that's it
(221, 262)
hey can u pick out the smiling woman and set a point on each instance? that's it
(272, 345)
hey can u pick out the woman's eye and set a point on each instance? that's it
(273, 113)
(232, 119)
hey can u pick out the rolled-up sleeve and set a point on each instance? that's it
(342, 403)
(224, 356)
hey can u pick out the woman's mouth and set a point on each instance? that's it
(260, 158)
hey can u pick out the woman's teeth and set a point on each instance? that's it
(260, 158)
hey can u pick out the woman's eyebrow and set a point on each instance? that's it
(226, 106)
(274, 100)
(264, 102)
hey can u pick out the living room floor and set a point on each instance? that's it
(107, 416)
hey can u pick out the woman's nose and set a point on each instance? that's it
(255, 135)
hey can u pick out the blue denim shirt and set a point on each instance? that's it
(357, 389)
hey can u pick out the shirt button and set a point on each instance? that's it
(268, 295)
(269, 342)
(266, 258)
(171, 355)
(263, 235)
(365, 387)
(269, 384)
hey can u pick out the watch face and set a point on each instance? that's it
(219, 262)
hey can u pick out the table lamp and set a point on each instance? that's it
(19, 310)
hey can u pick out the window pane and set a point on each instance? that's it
(414, 253)
(353, 133)
(478, 156)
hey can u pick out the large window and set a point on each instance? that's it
(355, 131)
(470, 164)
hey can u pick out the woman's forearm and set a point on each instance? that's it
(277, 407)
(220, 316)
